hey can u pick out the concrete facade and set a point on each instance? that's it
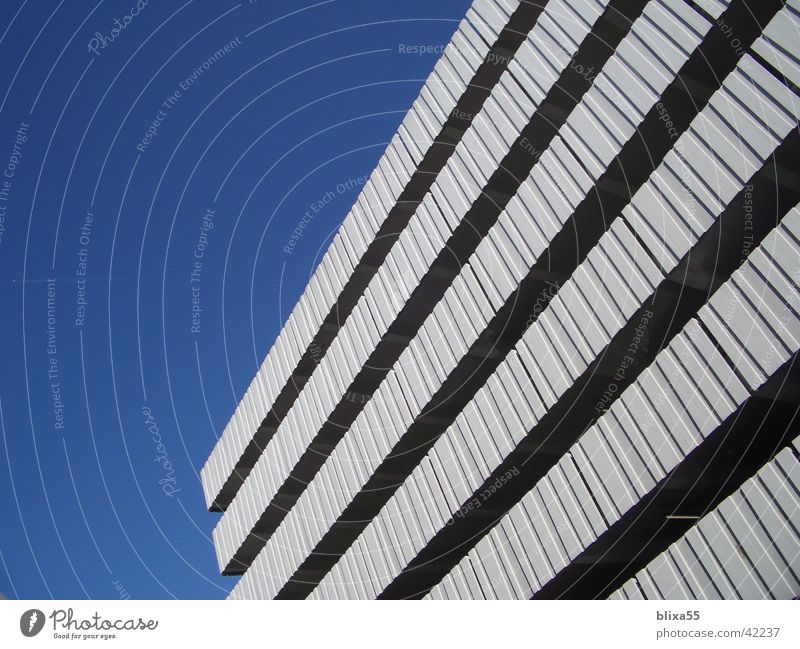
(551, 351)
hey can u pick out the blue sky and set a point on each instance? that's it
(127, 155)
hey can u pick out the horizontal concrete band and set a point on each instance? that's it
(496, 435)
(469, 68)
(648, 430)
(746, 548)
(492, 135)
(629, 472)
(477, 439)
(484, 436)
(624, 278)
(351, 469)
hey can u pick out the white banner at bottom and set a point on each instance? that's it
(315, 624)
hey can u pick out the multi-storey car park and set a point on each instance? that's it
(551, 351)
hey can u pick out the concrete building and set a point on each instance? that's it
(551, 350)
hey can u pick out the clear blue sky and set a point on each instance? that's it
(99, 359)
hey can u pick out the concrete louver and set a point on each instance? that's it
(681, 400)
(470, 198)
(300, 579)
(619, 507)
(668, 444)
(537, 436)
(607, 354)
(745, 548)
(469, 68)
